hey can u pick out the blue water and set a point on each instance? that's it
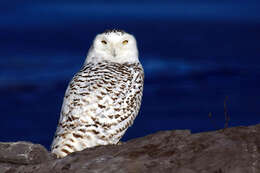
(195, 54)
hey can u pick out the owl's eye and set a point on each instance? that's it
(125, 42)
(104, 42)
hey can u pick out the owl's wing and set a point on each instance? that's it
(128, 103)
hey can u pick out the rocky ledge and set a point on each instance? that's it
(231, 150)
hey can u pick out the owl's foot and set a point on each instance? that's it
(119, 143)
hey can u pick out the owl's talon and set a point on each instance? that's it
(120, 143)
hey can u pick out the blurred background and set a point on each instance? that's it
(196, 54)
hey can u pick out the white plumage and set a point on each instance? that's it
(103, 98)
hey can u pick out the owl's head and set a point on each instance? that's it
(113, 46)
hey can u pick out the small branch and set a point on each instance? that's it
(227, 117)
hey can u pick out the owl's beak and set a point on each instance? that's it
(114, 52)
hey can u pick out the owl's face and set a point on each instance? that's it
(114, 46)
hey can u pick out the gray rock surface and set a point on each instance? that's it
(232, 150)
(22, 153)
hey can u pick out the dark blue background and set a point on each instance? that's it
(195, 53)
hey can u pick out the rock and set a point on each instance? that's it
(22, 153)
(232, 150)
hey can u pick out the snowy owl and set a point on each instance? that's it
(103, 98)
